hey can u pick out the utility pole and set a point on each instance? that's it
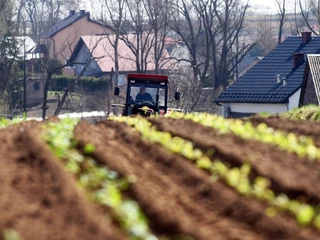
(24, 74)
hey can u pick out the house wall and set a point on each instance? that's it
(310, 96)
(64, 41)
(294, 100)
(256, 107)
(34, 91)
(264, 107)
(82, 57)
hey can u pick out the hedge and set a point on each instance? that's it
(60, 82)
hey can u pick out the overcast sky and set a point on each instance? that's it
(265, 6)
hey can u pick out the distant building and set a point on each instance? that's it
(24, 45)
(59, 40)
(94, 56)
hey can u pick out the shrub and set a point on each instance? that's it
(89, 84)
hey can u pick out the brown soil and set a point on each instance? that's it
(179, 198)
(286, 170)
(40, 200)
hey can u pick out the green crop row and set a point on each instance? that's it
(302, 146)
(237, 178)
(309, 112)
(102, 185)
(7, 122)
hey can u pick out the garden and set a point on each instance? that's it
(180, 176)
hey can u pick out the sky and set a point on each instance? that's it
(260, 6)
(264, 6)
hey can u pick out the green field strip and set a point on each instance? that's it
(237, 178)
(309, 112)
(302, 146)
(101, 185)
(7, 122)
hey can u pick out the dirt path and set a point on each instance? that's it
(179, 198)
(297, 177)
(38, 199)
(307, 128)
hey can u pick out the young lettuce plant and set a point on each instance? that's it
(237, 178)
(102, 185)
(302, 146)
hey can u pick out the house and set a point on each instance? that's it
(246, 64)
(24, 44)
(310, 90)
(94, 56)
(177, 49)
(34, 91)
(61, 38)
(274, 84)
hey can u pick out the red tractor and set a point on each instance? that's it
(146, 95)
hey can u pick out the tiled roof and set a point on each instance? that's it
(259, 84)
(103, 51)
(66, 22)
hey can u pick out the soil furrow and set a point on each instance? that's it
(39, 199)
(306, 128)
(179, 198)
(286, 171)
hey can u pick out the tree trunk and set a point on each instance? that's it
(45, 95)
(61, 102)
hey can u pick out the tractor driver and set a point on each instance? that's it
(143, 96)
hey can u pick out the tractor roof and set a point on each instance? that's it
(147, 77)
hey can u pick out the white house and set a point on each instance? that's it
(275, 83)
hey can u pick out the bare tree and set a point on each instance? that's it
(158, 13)
(265, 29)
(212, 32)
(281, 7)
(231, 16)
(52, 66)
(187, 23)
(116, 12)
(299, 22)
(137, 36)
(42, 14)
(310, 11)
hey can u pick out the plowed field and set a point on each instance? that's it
(39, 199)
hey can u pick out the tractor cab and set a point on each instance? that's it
(146, 95)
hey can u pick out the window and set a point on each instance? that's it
(152, 89)
(36, 86)
(68, 63)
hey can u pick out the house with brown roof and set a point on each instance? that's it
(60, 39)
(94, 56)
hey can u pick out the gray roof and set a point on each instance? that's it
(259, 84)
(70, 19)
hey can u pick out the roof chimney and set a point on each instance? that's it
(298, 58)
(72, 12)
(306, 37)
(284, 81)
(82, 12)
(278, 78)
